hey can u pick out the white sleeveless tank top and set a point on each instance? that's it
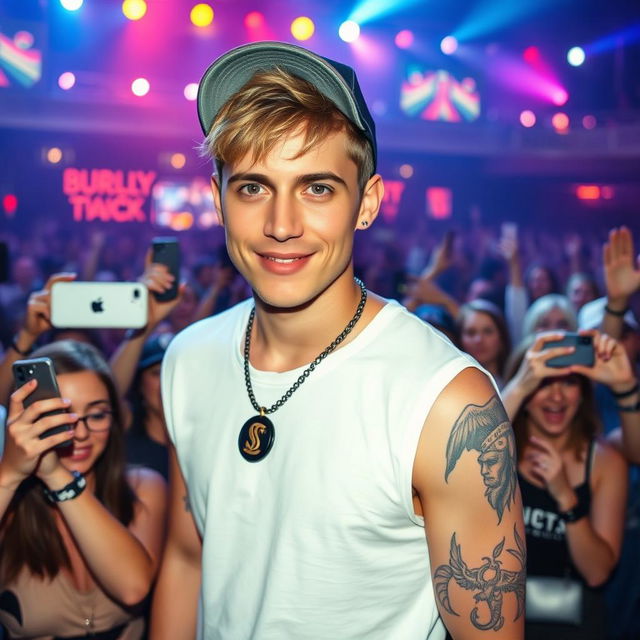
(319, 540)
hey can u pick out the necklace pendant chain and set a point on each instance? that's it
(263, 411)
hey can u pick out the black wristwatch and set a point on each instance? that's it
(574, 514)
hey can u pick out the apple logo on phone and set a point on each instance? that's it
(96, 306)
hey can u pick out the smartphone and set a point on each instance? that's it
(449, 238)
(99, 305)
(42, 370)
(583, 354)
(167, 251)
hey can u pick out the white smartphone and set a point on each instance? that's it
(103, 305)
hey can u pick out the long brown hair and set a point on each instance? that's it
(585, 424)
(28, 534)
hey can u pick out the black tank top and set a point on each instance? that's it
(547, 550)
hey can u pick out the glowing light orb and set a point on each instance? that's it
(576, 56)
(54, 155)
(559, 97)
(202, 15)
(140, 87)
(349, 31)
(254, 20)
(405, 171)
(302, 28)
(404, 39)
(560, 121)
(134, 9)
(71, 5)
(531, 55)
(448, 45)
(178, 160)
(66, 80)
(527, 118)
(191, 91)
(23, 40)
(10, 203)
(589, 122)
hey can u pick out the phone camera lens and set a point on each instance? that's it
(585, 340)
(30, 371)
(136, 293)
(20, 374)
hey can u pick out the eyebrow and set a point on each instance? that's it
(92, 404)
(306, 178)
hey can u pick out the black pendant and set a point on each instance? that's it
(256, 438)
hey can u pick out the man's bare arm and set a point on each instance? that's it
(466, 485)
(175, 602)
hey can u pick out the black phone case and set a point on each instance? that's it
(167, 251)
(583, 355)
(42, 370)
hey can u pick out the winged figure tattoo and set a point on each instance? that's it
(486, 429)
(489, 580)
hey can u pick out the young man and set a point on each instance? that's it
(320, 430)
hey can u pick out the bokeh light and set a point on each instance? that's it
(531, 55)
(71, 5)
(202, 15)
(405, 171)
(254, 20)
(134, 9)
(54, 155)
(559, 97)
(23, 40)
(527, 118)
(448, 45)
(404, 39)
(191, 91)
(178, 160)
(588, 191)
(302, 28)
(140, 87)
(576, 56)
(560, 121)
(349, 31)
(10, 204)
(589, 122)
(66, 80)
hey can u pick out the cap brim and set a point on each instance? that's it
(232, 71)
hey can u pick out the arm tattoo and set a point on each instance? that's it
(486, 429)
(489, 580)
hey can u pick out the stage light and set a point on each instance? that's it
(404, 39)
(140, 87)
(71, 5)
(24, 40)
(559, 97)
(560, 122)
(66, 80)
(448, 45)
(576, 56)
(254, 20)
(302, 28)
(191, 91)
(589, 122)
(527, 118)
(134, 9)
(588, 192)
(202, 15)
(54, 155)
(531, 55)
(349, 31)
(405, 171)
(10, 204)
(178, 160)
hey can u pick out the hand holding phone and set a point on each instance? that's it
(166, 251)
(583, 353)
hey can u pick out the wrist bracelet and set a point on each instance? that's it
(574, 514)
(68, 492)
(14, 345)
(626, 394)
(632, 408)
(613, 312)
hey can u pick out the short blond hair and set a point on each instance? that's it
(272, 105)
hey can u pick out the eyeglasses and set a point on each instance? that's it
(97, 421)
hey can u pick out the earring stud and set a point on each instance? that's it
(365, 223)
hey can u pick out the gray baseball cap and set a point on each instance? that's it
(336, 81)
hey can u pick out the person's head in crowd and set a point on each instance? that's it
(550, 313)
(484, 335)
(30, 539)
(481, 288)
(182, 315)
(559, 407)
(591, 316)
(89, 336)
(438, 317)
(203, 272)
(540, 281)
(581, 288)
(26, 273)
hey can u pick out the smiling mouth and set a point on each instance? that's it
(283, 260)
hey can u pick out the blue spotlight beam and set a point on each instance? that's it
(488, 16)
(607, 43)
(369, 10)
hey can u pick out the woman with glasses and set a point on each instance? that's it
(80, 533)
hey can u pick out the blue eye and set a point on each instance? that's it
(251, 189)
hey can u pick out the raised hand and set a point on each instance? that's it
(621, 267)
(547, 466)
(156, 278)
